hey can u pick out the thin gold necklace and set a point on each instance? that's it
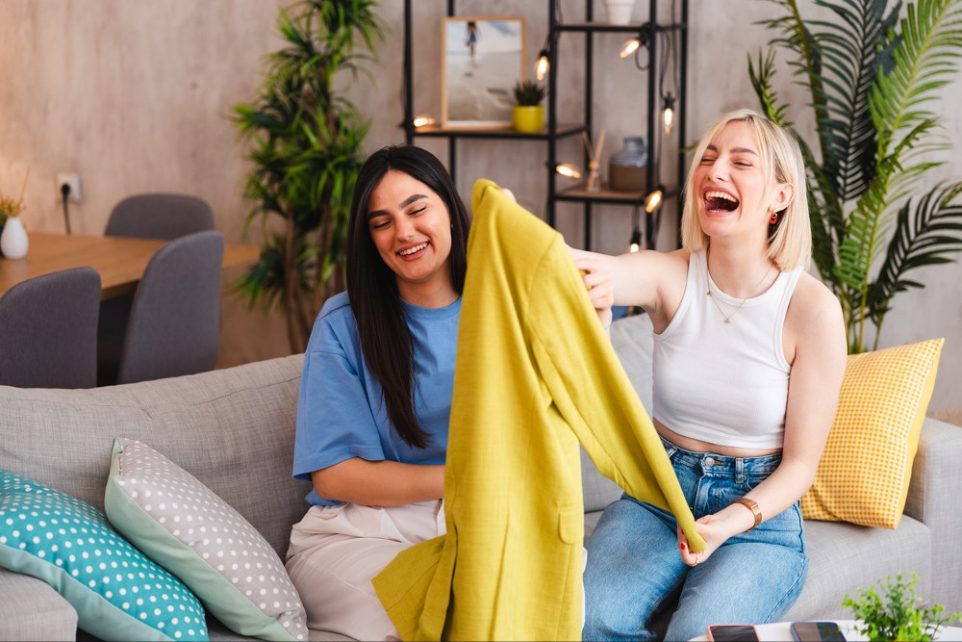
(728, 317)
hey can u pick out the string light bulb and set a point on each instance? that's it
(423, 120)
(630, 47)
(542, 65)
(567, 170)
(654, 199)
(668, 113)
(635, 244)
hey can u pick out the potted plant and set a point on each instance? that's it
(897, 613)
(304, 141)
(528, 115)
(870, 77)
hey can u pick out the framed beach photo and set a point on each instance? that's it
(481, 60)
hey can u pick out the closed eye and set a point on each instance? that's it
(380, 223)
(707, 159)
(417, 211)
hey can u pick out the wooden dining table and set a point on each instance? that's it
(120, 261)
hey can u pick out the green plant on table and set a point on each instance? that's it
(305, 145)
(897, 613)
(871, 77)
(528, 93)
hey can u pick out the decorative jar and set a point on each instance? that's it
(628, 166)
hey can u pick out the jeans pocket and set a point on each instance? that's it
(571, 524)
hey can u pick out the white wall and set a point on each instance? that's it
(135, 95)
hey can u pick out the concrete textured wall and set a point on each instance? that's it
(135, 95)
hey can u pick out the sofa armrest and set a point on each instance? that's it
(32, 610)
(933, 499)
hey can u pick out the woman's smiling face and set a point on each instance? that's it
(411, 229)
(735, 196)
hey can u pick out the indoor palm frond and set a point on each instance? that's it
(305, 147)
(871, 76)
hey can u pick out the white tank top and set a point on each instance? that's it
(724, 383)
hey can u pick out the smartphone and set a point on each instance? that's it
(816, 632)
(732, 633)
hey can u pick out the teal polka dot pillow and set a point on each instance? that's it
(117, 592)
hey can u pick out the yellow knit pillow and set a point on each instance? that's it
(864, 473)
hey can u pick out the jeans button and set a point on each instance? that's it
(709, 461)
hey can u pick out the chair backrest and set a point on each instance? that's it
(174, 326)
(159, 216)
(48, 331)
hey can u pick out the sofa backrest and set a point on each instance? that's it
(232, 429)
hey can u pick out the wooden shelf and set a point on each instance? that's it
(503, 131)
(587, 27)
(579, 193)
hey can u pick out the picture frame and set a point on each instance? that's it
(482, 57)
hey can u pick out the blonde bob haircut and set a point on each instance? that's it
(790, 246)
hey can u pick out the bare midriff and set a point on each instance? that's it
(700, 446)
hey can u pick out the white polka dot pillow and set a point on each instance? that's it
(117, 592)
(182, 524)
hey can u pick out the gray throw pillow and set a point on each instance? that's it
(181, 524)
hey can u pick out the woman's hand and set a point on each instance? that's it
(715, 529)
(598, 281)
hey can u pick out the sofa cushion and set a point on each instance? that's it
(30, 609)
(118, 593)
(844, 557)
(180, 523)
(863, 476)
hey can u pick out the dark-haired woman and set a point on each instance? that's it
(372, 417)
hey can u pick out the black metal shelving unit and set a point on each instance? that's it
(554, 130)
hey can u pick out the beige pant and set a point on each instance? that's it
(335, 551)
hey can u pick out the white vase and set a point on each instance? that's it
(619, 11)
(14, 242)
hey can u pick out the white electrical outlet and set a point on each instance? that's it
(72, 181)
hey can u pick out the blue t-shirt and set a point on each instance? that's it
(341, 411)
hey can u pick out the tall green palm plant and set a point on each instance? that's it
(871, 76)
(305, 145)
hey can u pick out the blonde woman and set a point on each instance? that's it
(749, 354)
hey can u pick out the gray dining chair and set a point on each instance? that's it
(48, 331)
(174, 326)
(159, 216)
(152, 216)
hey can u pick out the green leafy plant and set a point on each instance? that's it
(897, 613)
(870, 76)
(305, 145)
(528, 93)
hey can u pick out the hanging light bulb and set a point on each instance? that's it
(635, 243)
(568, 170)
(423, 120)
(668, 113)
(654, 199)
(630, 47)
(542, 65)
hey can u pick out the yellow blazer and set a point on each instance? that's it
(535, 375)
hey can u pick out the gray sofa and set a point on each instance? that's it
(233, 429)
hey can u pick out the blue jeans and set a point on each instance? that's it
(635, 569)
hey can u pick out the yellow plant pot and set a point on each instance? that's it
(528, 119)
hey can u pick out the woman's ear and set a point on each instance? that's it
(784, 195)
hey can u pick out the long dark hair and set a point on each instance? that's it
(386, 340)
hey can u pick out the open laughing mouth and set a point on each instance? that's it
(717, 201)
